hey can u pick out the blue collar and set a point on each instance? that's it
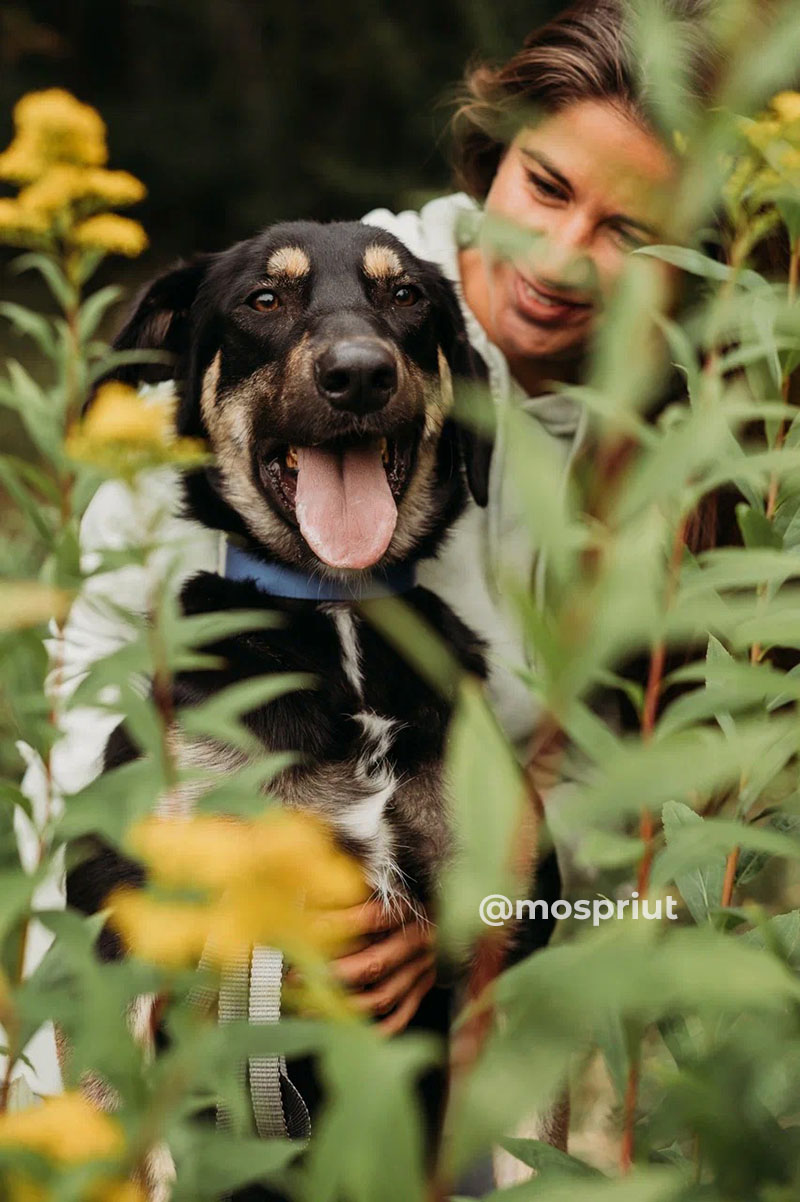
(279, 581)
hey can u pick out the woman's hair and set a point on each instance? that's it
(588, 52)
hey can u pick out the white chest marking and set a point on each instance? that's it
(345, 623)
(365, 819)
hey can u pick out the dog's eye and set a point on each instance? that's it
(264, 301)
(406, 294)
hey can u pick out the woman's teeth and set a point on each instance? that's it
(541, 298)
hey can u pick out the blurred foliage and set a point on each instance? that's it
(240, 114)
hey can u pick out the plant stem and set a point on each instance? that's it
(631, 1099)
(10, 1023)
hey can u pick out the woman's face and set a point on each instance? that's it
(595, 185)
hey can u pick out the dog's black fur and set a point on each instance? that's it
(252, 331)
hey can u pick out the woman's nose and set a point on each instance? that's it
(564, 255)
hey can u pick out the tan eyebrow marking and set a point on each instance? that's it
(381, 262)
(289, 260)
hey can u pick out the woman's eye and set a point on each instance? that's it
(264, 301)
(551, 191)
(405, 295)
(626, 239)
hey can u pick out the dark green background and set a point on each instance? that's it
(236, 113)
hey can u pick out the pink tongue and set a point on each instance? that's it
(345, 508)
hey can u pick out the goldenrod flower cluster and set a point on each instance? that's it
(57, 157)
(125, 431)
(25, 603)
(769, 170)
(278, 880)
(67, 1131)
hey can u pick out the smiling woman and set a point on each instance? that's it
(594, 184)
(564, 140)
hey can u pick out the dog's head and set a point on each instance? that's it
(320, 363)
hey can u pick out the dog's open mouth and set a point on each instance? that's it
(342, 496)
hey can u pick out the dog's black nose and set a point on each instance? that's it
(359, 375)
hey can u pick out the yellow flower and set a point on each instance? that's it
(119, 413)
(110, 233)
(169, 933)
(21, 226)
(291, 849)
(125, 432)
(58, 157)
(63, 185)
(789, 161)
(22, 161)
(53, 127)
(25, 603)
(65, 1128)
(115, 188)
(762, 133)
(20, 1188)
(117, 1191)
(680, 141)
(277, 880)
(787, 106)
(206, 850)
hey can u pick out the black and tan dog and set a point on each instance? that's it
(319, 361)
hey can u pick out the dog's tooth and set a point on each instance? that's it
(291, 459)
(384, 446)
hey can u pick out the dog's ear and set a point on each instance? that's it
(468, 370)
(159, 321)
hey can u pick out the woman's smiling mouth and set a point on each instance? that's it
(544, 307)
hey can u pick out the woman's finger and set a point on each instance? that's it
(365, 968)
(394, 989)
(404, 1013)
(366, 918)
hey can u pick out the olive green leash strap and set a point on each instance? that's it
(278, 1107)
(250, 990)
(232, 1007)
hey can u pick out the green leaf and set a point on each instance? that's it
(25, 321)
(219, 717)
(368, 1140)
(605, 849)
(700, 888)
(112, 360)
(479, 764)
(683, 353)
(26, 502)
(643, 1185)
(216, 1163)
(732, 687)
(701, 265)
(409, 633)
(110, 804)
(732, 567)
(680, 766)
(548, 1161)
(757, 530)
(695, 854)
(93, 310)
(54, 277)
(780, 932)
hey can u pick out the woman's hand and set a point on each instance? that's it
(394, 966)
